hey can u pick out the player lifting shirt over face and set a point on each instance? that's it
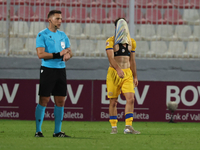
(121, 75)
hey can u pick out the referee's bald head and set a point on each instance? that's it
(52, 12)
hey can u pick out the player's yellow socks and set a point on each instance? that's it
(129, 119)
(113, 121)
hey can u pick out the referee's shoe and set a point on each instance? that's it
(39, 134)
(60, 134)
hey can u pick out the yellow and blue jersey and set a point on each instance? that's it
(53, 42)
(110, 43)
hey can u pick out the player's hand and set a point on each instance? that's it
(135, 81)
(120, 73)
(68, 51)
(66, 57)
(63, 52)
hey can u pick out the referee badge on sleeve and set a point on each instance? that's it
(63, 45)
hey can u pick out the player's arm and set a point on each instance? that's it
(44, 55)
(40, 48)
(133, 64)
(68, 55)
(133, 68)
(69, 51)
(110, 55)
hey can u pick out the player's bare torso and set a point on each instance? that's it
(122, 61)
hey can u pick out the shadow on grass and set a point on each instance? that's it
(151, 134)
(74, 137)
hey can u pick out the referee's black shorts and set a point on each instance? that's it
(53, 81)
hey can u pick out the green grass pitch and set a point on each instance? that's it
(19, 135)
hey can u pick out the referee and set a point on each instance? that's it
(53, 48)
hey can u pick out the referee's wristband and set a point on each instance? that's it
(56, 55)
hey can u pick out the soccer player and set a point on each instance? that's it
(121, 75)
(53, 47)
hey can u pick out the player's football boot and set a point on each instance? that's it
(60, 134)
(130, 130)
(39, 134)
(114, 131)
